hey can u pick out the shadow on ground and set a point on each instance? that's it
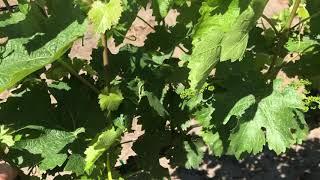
(302, 162)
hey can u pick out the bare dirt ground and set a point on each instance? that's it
(300, 162)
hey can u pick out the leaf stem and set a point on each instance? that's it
(74, 73)
(306, 19)
(6, 3)
(183, 50)
(105, 58)
(109, 168)
(292, 15)
(271, 24)
(145, 22)
(130, 38)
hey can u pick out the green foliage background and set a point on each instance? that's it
(226, 83)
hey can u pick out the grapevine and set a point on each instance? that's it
(70, 114)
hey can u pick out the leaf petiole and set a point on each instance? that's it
(292, 15)
(74, 73)
(306, 19)
(6, 3)
(109, 168)
(271, 24)
(105, 58)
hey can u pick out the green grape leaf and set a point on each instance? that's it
(101, 144)
(36, 40)
(239, 108)
(110, 101)
(49, 146)
(205, 56)
(211, 138)
(195, 154)
(75, 164)
(5, 137)
(60, 86)
(155, 103)
(105, 15)
(164, 6)
(203, 117)
(9, 19)
(20, 63)
(303, 12)
(234, 45)
(304, 45)
(214, 142)
(221, 34)
(274, 120)
(52, 161)
(235, 40)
